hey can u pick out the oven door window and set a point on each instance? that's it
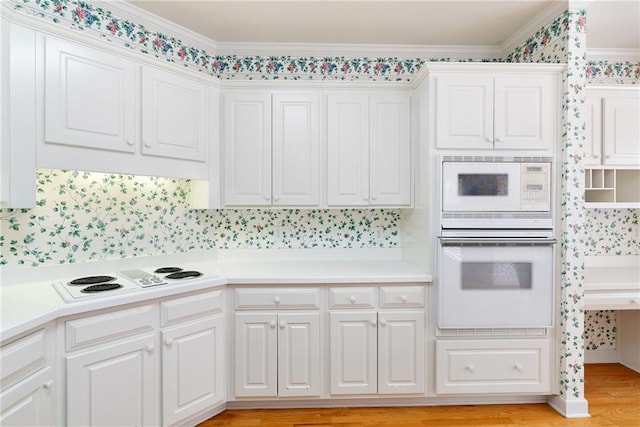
(496, 275)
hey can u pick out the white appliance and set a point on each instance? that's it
(496, 192)
(496, 280)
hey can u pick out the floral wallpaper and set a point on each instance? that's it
(608, 231)
(83, 216)
(607, 73)
(600, 330)
(547, 45)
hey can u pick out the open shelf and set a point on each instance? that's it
(611, 187)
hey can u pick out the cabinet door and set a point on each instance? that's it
(247, 149)
(174, 115)
(348, 150)
(89, 98)
(299, 354)
(524, 112)
(401, 353)
(256, 354)
(353, 353)
(113, 385)
(464, 112)
(296, 156)
(192, 369)
(593, 130)
(390, 150)
(29, 403)
(622, 130)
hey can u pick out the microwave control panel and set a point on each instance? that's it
(535, 181)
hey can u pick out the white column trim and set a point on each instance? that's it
(572, 408)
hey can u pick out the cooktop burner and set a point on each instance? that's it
(165, 270)
(91, 280)
(183, 275)
(101, 287)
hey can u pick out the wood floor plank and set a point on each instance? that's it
(613, 392)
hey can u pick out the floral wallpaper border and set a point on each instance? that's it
(616, 73)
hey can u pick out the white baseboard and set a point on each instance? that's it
(601, 356)
(574, 408)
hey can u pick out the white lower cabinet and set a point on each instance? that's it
(492, 366)
(27, 387)
(377, 351)
(277, 354)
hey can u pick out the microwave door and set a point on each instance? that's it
(481, 187)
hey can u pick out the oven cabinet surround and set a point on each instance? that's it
(612, 161)
(27, 380)
(271, 147)
(277, 342)
(368, 149)
(108, 113)
(494, 106)
(159, 363)
(377, 340)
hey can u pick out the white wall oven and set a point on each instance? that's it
(496, 250)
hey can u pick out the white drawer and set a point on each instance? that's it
(492, 366)
(93, 330)
(278, 298)
(22, 358)
(401, 296)
(352, 297)
(190, 307)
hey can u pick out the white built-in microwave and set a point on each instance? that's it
(496, 192)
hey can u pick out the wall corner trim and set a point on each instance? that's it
(572, 408)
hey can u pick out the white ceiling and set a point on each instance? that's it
(611, 24)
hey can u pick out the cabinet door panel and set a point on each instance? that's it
(89, 98)
(296, 156)
(353, 353)
(247, 149)
(390, 150)
(299, 354)
(192, 373)
(256, 354)
(174, 115)
(29, 403)
(348, 150)
(401, 354)
(524, 112)
(464, 112)
(113, 385)
(622, 130)
(593, 129)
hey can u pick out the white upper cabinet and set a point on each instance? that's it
(174, 115)
(593, 129)
(271, 149)
(368, 149)
(89, 98)
(494, 111)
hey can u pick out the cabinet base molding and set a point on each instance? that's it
(572, 408)
(204, 416)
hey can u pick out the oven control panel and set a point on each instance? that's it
(143, 278)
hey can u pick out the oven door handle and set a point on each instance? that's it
(471, 241)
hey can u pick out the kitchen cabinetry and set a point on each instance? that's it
(271, 149)
(498, 108)
(27, 387)
(107, 113)
(377, 350)
(368, 149)
(117, 360)
(612, 157)
(277, 351)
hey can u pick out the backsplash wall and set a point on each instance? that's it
(83, 216)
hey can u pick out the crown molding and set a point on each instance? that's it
(544, 18)
(359, 50)
(613, 55)
(125, 10)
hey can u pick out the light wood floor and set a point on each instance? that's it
(612, 390)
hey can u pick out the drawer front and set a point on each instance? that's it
(93, 330)
(22, 358)
(402, 296)
(492, 366)
(352, 297)
(280, 298)
(193, 306)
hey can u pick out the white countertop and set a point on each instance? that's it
(28, 299)
(612, 282)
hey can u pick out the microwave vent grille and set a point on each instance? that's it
(496, 215)
(498, 159)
